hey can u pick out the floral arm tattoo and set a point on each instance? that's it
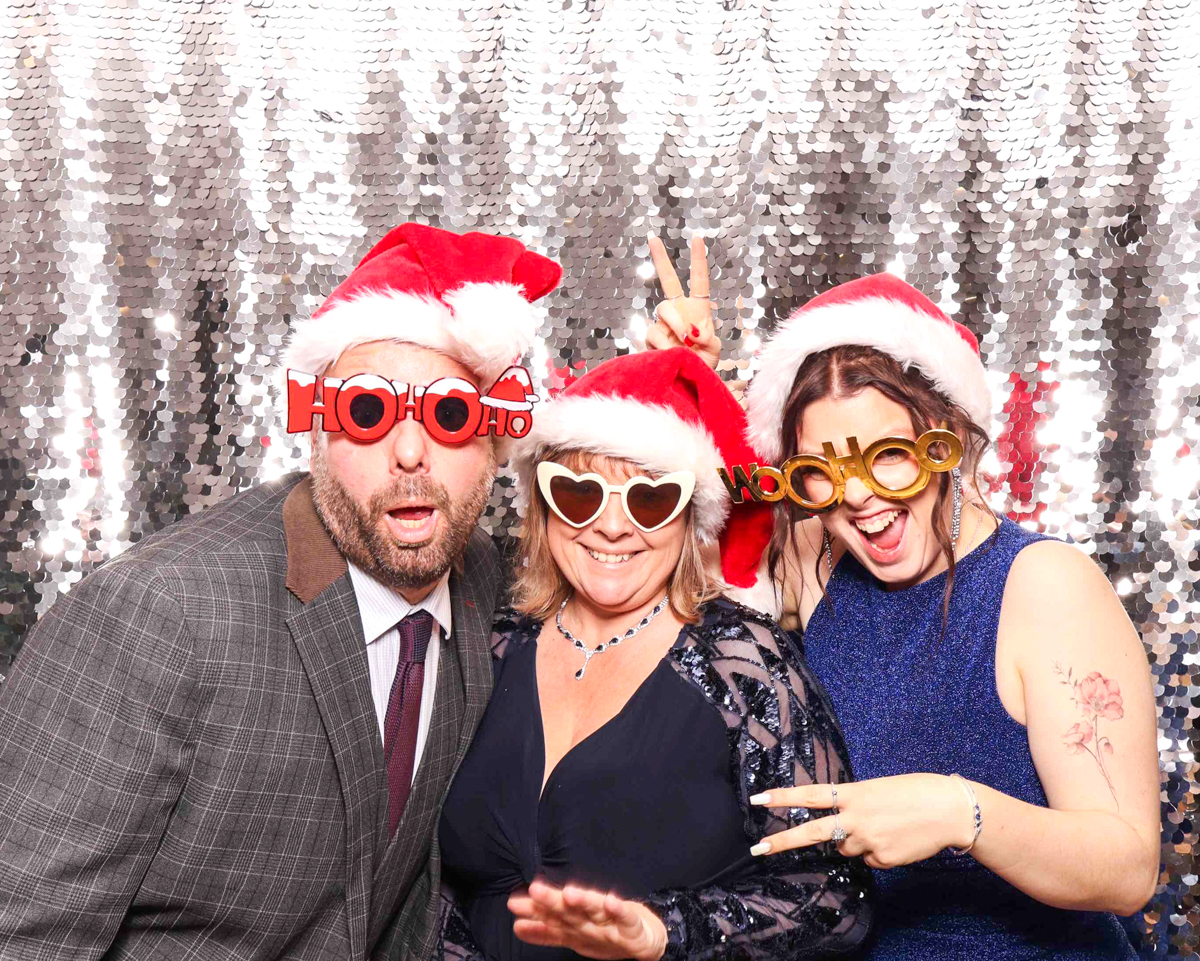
(1097, 698)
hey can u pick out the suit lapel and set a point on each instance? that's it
(464, 684)
(328, 634)
(446, 729)
(404, 855)
(473, 609)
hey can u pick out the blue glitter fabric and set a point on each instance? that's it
(655, 803)
(911, 700)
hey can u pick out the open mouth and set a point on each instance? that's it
(883, 533)
(611, 560)
(412, 524)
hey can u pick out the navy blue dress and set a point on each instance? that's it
(912, 700)
(654, 804)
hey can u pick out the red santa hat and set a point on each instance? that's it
(469, 296)
(665, 410)
(880, 311)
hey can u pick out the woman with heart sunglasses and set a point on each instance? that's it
(997, 702)
(603, 807)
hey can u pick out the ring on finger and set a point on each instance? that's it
(676, 297)
(838, 835)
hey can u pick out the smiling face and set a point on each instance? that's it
(402, 507)
(891, 538)
(613, 566)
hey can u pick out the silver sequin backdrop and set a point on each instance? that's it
(179, 180)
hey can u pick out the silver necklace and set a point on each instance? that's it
(590, 652)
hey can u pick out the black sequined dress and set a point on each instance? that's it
(654, 804)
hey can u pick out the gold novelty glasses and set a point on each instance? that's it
(893, 467)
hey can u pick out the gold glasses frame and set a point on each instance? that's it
(839, 467)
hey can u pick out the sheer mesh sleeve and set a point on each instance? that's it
(454, 942)
(810, 903)
(510, 630)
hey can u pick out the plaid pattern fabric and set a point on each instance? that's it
(190, 765)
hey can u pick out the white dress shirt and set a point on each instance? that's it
(381, 609)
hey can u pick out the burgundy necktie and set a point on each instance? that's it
(404, 712)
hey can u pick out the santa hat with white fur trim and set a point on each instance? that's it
(880, 311)
(469, 296)
(665, 410)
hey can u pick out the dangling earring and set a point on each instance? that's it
(956, 520)
(828, 545)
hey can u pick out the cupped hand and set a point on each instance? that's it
(590, 923)
(684, 319)
(889, 821)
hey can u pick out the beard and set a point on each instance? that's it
(362, 537)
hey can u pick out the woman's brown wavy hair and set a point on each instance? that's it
(845, 371)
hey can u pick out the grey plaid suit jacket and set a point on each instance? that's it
(190, 765)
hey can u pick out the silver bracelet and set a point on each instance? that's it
(976, 814)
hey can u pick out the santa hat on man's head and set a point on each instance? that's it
(880, 311)
(469, 296)
(665, 410)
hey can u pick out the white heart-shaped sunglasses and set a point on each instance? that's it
(580, 498)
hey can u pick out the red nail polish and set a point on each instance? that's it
(687, 341)
(695, 331)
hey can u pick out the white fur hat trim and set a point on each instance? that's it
(485, 327)
(910, 336)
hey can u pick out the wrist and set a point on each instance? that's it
(969, 821)
(656, 933)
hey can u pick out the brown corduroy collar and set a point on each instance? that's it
(313, 560)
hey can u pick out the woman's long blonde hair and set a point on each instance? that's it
(539, 587)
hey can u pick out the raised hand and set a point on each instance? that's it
(592, 924)
(684, 319)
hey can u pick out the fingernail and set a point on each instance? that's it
(764, 798)
(762, 847)
(695, 331)
(687, 341)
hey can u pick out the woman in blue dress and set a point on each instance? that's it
(996, 699)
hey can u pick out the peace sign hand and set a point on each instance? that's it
(684, 319)
(889, 821)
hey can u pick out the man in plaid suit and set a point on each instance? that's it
(233, 740)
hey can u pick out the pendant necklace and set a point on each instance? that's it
(590, 652)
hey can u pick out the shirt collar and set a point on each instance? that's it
(381, 608)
